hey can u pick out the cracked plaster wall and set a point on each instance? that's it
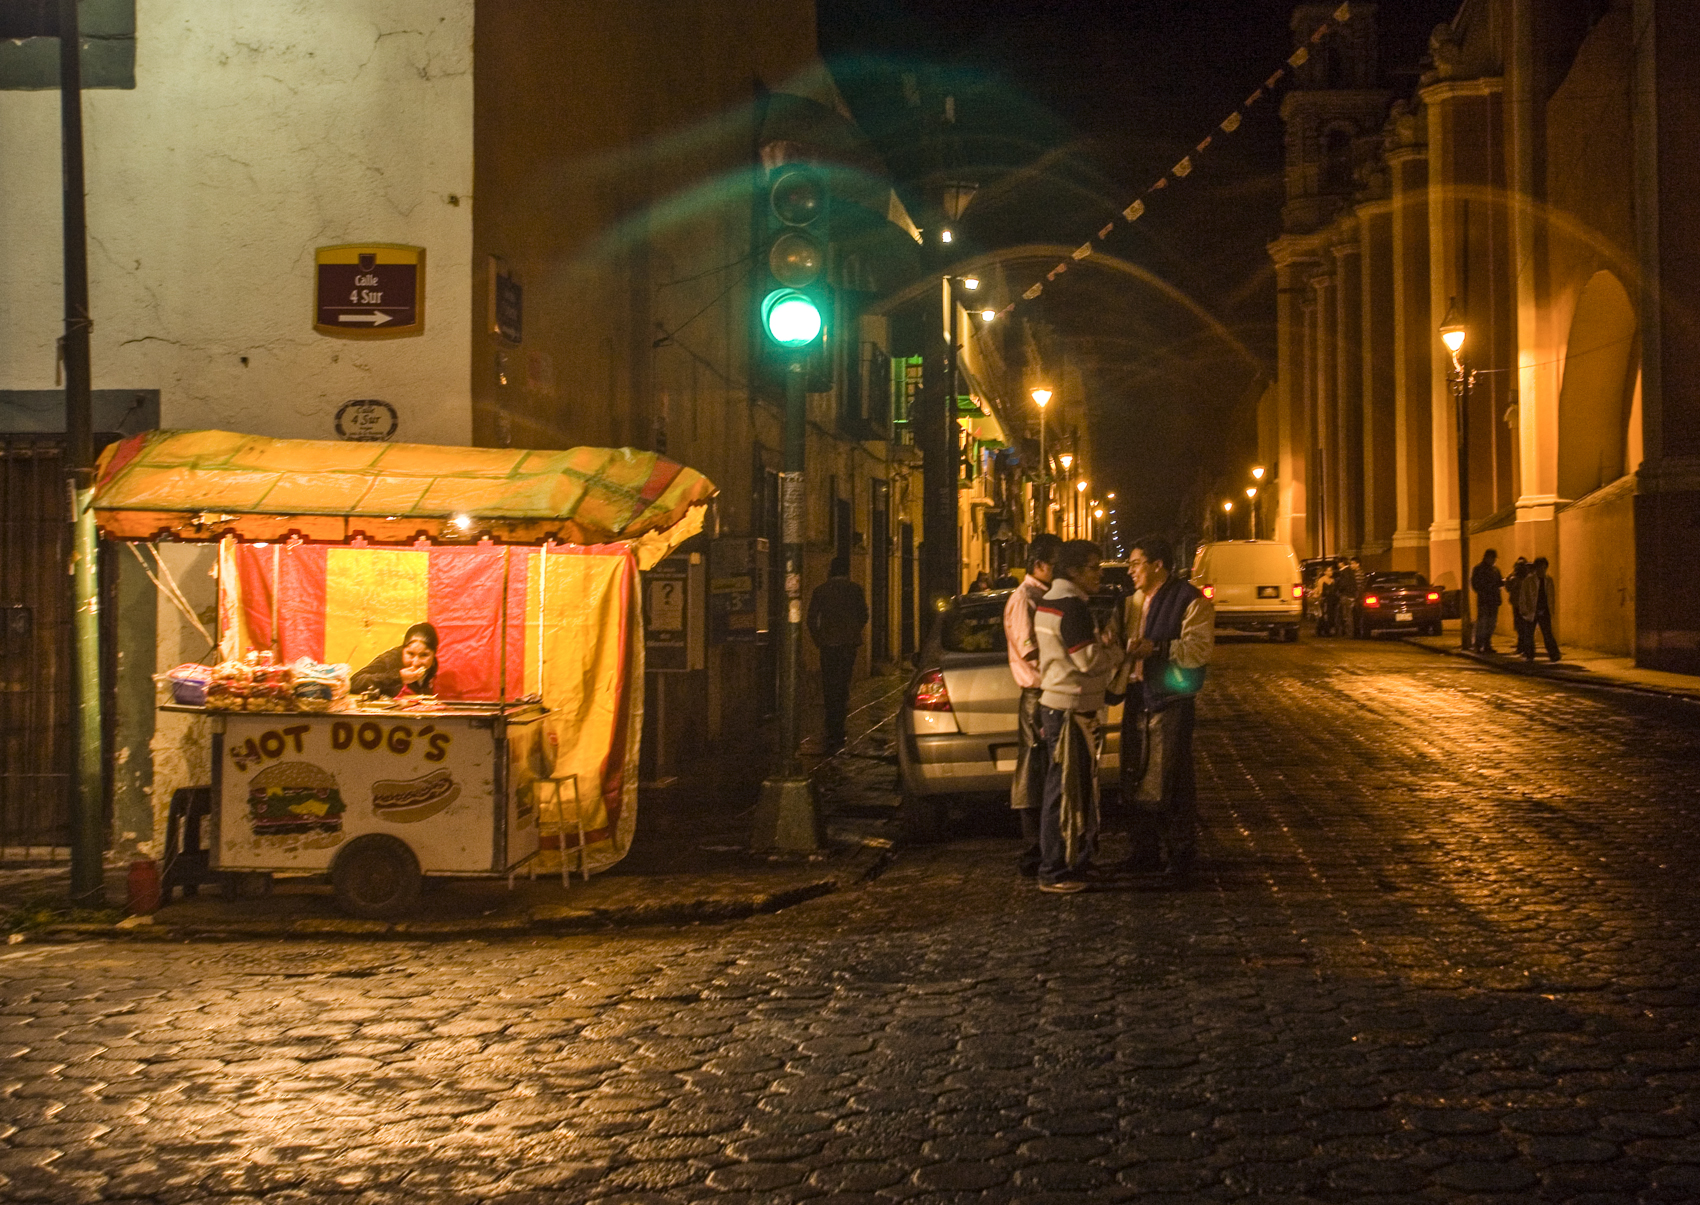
(258, 130)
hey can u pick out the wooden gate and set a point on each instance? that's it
(35, 656)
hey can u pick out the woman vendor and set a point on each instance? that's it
(408, 669)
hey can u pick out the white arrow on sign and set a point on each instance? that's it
(376, 319)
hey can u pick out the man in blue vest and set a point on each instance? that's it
(1171, 630)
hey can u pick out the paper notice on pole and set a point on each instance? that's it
(791, 507)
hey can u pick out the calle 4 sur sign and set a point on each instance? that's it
(371, 290)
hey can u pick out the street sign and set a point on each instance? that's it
(372, 290)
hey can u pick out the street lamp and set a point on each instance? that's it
(1080, 507)
(1257, 472)
(1453, 334)
(1041, 395)
(1228, 519)
(1067, 459)
(988, 315)
(1251, 503)
(970, 283)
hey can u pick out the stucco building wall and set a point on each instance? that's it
(257, 131)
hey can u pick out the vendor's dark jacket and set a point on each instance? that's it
(384, 676)
(837, 613)
(1486, 581)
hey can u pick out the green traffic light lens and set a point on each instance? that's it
(791, 319)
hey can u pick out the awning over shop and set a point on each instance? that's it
(205, 485)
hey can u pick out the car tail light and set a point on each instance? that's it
(1207, 591)
(1371, 600)
(1434, 595)
(930, 693)
(1298, 591)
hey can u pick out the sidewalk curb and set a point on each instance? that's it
(860, 866)
(1517, 667)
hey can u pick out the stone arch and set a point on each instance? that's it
(1596, 399)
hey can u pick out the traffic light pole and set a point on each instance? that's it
(786, 819)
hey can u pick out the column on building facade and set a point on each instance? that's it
(1293, 265)
(1667, 205)
(1348, 451)
(1469, 262)
(1308, 429)
(1539, 343)
(1413, 344)
(1326, 391)
(1380, 443)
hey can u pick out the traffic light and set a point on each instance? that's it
(795, 297)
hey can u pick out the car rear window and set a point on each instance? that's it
(1248, 562)
(973, 630)
(1398, 578)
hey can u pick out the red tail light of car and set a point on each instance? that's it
(1371, 600)
(1298, 591)
(1434, 595)
(930, 693)
(1208, 591)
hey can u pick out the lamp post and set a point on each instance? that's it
(1251, 504)
(1041, 396)
(1080, 506)
(1453, 334)
(1228, 519)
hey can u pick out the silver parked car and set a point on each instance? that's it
(957, 728)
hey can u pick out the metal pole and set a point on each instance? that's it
(786, 818)
(1461, 408)
(88, 838)
(1044, 508)
(953, 437)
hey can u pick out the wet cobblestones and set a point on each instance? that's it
(1443, 949)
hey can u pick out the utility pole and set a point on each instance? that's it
(88, 838)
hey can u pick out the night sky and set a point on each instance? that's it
(1065, 112)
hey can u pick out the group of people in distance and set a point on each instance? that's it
(1531, 592)
(1151, 656)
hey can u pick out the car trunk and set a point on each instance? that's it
(982, 693)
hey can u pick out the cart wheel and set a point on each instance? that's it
(246, 885)
(376, 877)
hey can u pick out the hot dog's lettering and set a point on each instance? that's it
(398, 739)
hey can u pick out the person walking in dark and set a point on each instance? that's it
(1032, 760)
(1486, 582)
(1171, 636)
(1326, 601)
(1513, 595)
(1346, 584)
(1075, 664)
(1536, 597)
(838, 611)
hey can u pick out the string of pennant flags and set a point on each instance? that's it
(1183, 169)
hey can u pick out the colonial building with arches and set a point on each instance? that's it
(1538, 186)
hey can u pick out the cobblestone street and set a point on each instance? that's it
(1443, 948)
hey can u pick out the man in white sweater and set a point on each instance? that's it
(1075, 662)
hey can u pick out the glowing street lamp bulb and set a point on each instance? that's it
(1099, 513)
(1081, 486)
(1065, 459)
(970, 282)
(1251, 491)
(988, 315)
(944, 235)
(1453, 340)
(464, 522)
(1111, 495)
(1228, 506)
(1041, 396)
(1257, 472)
(1452, 330)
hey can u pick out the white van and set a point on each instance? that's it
(1255, 585)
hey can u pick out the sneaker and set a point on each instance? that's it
(1063, 887)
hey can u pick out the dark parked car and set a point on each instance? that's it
(1397, 600)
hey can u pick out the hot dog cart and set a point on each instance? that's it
(526, 562)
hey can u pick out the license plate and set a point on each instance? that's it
(1403, 617)
(1269, 592)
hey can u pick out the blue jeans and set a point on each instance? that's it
(1077, 776)
(1487, 619)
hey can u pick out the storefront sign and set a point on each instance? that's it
(376, 289)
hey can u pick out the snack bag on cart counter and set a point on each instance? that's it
(186, 684)
(319, 687)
